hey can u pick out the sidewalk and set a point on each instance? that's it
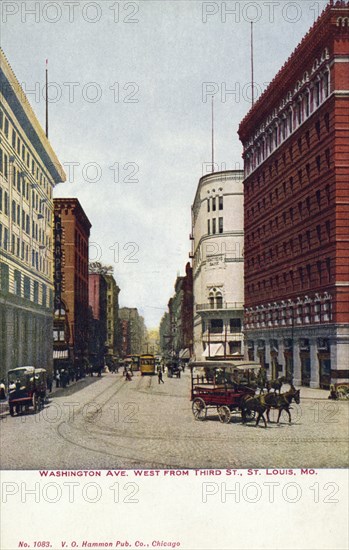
(312, 393)
(4, 408)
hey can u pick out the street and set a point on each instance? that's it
(109, 422)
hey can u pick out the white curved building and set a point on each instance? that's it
(218, 269)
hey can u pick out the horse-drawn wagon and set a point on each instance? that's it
(221, 385)
(27, 388)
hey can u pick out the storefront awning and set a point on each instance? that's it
(184, 353)
(60, 354)
(213, 350)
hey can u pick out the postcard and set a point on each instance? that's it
(174, 324)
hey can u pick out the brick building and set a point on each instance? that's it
(180, 309)
(71, 238)
(296, 151)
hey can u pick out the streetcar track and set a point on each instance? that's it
(100, 431)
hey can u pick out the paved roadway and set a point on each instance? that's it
(109, 423)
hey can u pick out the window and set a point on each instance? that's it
(4, 277)
(317, 93)
(326, 84)
(6, 127)
(300, 207)
(26, 287)
(318, 163)
(44, 295)
(17, 283)
(327, 121)
(214, 226)
(213, 204)
(208, 205)
(328, 229)
(318, 129)
(208, 227)
(220, 225)
(328, 268)
(235, 325)
(219, 301)
(5, 166)
(36, 292)
(216, 326)
(220, 202)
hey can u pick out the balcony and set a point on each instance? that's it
(223, 306)
(218, 336)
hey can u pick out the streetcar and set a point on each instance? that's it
(147, 364)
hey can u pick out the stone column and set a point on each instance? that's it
(268, 357)
(297, 365)
(314, 364)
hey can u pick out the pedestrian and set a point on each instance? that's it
(49, 383)
(160, 377)
(63, 379)
(58, 379)
(128, 376)
(2, 390)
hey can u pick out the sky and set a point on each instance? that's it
(130, 113)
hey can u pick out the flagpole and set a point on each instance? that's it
(212, 122)
(252, 67)
(47, 98)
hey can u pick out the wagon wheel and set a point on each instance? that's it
(199, 409)
(224, 414)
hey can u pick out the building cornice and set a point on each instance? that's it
(15, 97)
(323, 29)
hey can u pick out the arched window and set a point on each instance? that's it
(211, 300)
(219, 300)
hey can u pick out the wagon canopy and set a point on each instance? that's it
(229, 366)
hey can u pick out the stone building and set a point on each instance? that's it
(296, 151)
(29, 170)
(113, 323)
(217, 252)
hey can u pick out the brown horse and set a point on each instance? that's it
(282, 402)
(251, 404)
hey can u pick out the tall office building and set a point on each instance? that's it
(29, 169)
(296, 151)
